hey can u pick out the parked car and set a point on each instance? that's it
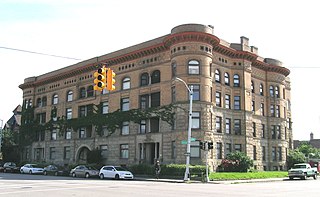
(84, 171)
(302, 171)
(55, 170)
(31, 169)
(1, 166)
(115, 172)
(10, 167)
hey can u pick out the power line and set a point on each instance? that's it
(38, 53)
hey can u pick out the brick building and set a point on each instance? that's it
(241, 102)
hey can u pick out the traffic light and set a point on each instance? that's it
(110, 80)
(202, 145)
(210, 145)
(100, 79)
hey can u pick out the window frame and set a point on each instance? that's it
(193, 67)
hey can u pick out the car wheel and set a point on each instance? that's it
(304, 177)
(56, 174)
(315, 176)
(73, 174)
(21, 171)
(290, 177)
(45, 173)
(87, 175)
(101, 176)
(30, 172)
(117, 176)
(4, 170)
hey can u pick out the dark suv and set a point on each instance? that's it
(10, 167)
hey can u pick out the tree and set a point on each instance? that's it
(10, 149)
(237, 162)
(294, 157)
(94, 156)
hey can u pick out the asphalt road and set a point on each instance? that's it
(24, 185)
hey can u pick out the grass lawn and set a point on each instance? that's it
(247, 175)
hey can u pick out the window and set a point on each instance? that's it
(105, 107)
(228, 149)
(104, 151)
(237, 103)
(143, 126)
(52, 153)
(273, 132)
(55, 99)
(90, 91)
(253, 106)
(41, 118)
(280, 153)
(226, 79)
(195, 149)
(154, 125)
(237, 126)
(274, 150)
(155, 77)
(228, 125)
(124, 151)
(254, 152)
(44, 101)
(54, 134)
(66, 152)
(196, 92)
(227, 101)
(278, 131)
(277, 111)
(237, 147)
(263, 153)
(277, 92)
(254, 129)
(82, 111)
(261, 89)
(218, 124)
(125, 128)
(263, 131)
(82, 92)
(262, 109)
(196, 120)
(272, 111)
(83, 132)
(126, 83)
(252, 87)
(68, 134)
(155, 99)
(174, 69)
(218, 99)
(125, 104)
(39, 102)
(236, 80)
(271, 89)
(69, 113)
(144, 101)
(144, 79)
(219, 150)
(193, 67)
(217, 76)
(69, 96)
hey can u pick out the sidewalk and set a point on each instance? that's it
(210, 182)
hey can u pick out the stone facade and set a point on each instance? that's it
(228, 79)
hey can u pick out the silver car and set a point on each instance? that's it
(115, 172)
(31, 169)
(84, 171)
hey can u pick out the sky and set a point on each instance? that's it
(75, 30)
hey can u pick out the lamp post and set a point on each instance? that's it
(190, 90)
(1, 135)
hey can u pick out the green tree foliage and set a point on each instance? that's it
(9, 149)
(236, 162)
(294, 157)
(94, 156)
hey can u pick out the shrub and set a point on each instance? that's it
(236, 162)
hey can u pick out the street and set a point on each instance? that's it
(23, 185)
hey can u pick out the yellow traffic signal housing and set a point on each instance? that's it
(100, 80)
(110, 80)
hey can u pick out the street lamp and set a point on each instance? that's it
(1, 134)
(190, 90)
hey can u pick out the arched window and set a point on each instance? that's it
(252, 87)
(193, 67)
(226, 79)
(69, 96)
(39, 102)
(277, 94)
(236, 80)
(261, 89)
(144, 79)
(126, 83)
(155, 77)
(82, 92)
(271, 90)
(90, 91)
(55, 99)
(174, 69)
(217, 76)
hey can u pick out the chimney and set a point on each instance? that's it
(311, 136)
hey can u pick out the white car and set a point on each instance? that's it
(115, 172)
(31, 169)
